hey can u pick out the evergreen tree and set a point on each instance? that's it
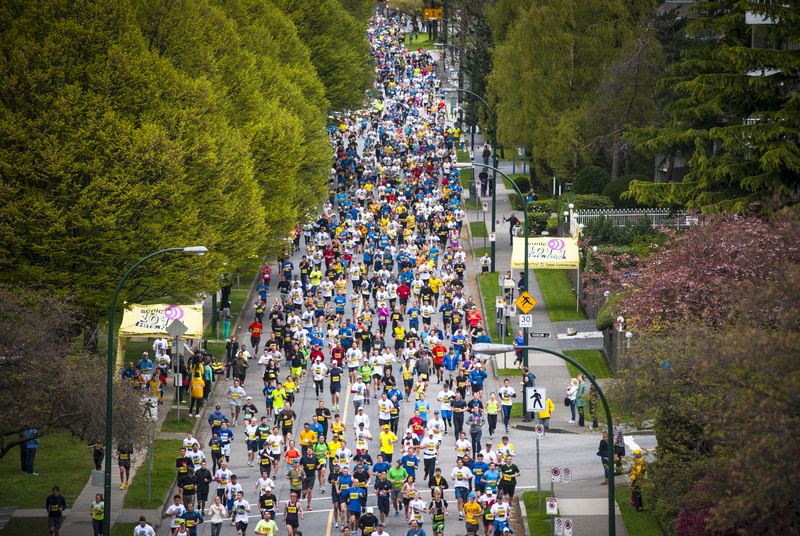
(736, 111)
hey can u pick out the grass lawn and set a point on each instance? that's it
(558, 296)
(538, 524)
(172, 424)
(480, 252)
(125, 529)
(516, 411)
(490, 289)
(636, 523)
(478, 229)
(509, 372)
(423, 42)
(162, 477)
(60, 459)
(591, 360)
(31, 525)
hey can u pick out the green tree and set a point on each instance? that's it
(107, 153)
(591, 180)
(549, 58)
(735, 111)
(337, 46)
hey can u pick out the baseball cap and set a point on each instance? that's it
(385, 426)
(489, 491)
(436, 412)
(506, 529)
(218, 406)
(249, 398)
(472, 496)
(369, 509)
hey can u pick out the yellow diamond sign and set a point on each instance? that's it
(525, 302)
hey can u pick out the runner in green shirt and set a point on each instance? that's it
(266, 527)
(366, 371)
(321, 450)
(397, 475)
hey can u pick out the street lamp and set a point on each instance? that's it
(494, 161)
(526, 233)
(197, 250)
(494, 349)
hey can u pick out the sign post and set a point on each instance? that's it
(176, 329)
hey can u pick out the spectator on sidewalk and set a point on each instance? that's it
(544, 416)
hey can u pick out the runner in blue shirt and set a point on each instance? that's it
(410, 463)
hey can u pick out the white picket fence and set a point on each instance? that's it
(621, 217)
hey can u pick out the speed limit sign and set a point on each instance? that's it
(555, 474)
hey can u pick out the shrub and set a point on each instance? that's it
(591, 180)
(592, 201)
(540, 206)
(523, 183)
(538, 222)
(640, 234)
(605, 318)
(618, 186)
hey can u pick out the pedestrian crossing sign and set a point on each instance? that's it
(525, 302)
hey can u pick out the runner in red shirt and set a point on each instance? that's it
(255, 335)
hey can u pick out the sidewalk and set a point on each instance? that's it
(585, 500)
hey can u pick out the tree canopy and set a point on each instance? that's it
(735, 115)
(134, 125)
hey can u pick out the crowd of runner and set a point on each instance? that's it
(381, 262)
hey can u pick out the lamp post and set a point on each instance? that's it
(493, 349)
(197, 250)
(527, 233)
(494, 161)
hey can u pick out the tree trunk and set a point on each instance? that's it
(615, 155)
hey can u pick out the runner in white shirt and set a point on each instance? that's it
(437, 425)
(363, 437)
(417, 509)
(430, 453)
(326, 287)
(463, 445)
(489, 455)
(143, 529)
(354, 356)
(264, 359)
(343, 455)
(175, 510)
(189, 440)
(360, 417)
(222, 477)
(263, 485)
(461, 477)
(359, 391)
(241, 508)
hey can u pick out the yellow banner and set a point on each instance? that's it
(546, 252)
(150, 320)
